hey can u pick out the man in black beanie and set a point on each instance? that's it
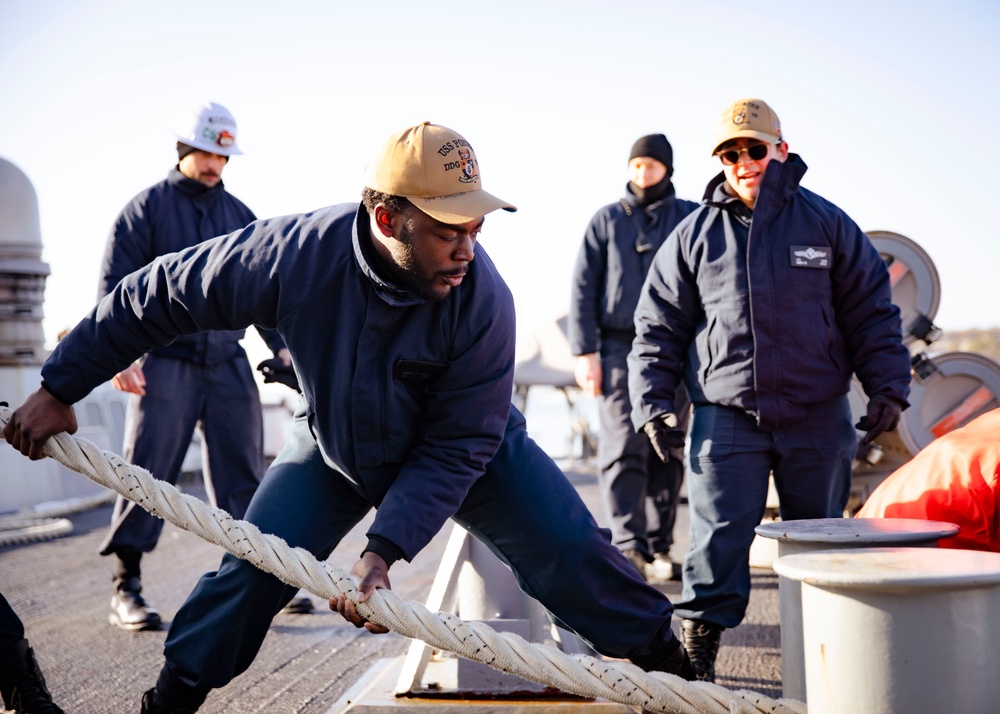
(639, 488)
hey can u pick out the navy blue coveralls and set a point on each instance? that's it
(764, 314)
(406, 408)
(640, 491)
(199, 381)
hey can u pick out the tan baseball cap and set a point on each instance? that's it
(751, 118)
(437, 170)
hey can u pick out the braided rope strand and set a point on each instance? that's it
(578, 674)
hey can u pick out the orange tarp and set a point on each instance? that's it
(952, 479)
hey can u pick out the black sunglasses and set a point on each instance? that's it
(755, 152)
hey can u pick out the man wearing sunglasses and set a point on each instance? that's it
(763, 303)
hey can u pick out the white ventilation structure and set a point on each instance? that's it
(22, 272)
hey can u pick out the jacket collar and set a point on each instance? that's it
(191, 187)
(368, 262)
(633, 201)
(781, 181)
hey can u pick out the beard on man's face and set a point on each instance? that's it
(408, 272)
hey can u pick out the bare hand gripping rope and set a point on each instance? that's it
(579, 674)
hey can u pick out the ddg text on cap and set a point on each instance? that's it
(436, 169)
(750, 118)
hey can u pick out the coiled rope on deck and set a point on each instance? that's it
(15, 530)
(47, 521)
(578, 674)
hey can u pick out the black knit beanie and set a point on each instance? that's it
(185, 149)
(655, 146)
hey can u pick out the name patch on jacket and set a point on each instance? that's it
(809, 256)
(416, 369)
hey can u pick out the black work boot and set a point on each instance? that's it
(153, 704)
(129, 610)
(663, 569)
(637, 559)
(701, 640)
(22, 685)
(670, 660)
(172, 696)
(298, 605)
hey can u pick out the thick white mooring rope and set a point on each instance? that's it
(578, 674)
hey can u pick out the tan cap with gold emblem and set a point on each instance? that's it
(436, 169)
(751, 118)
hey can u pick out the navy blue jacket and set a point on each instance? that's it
(617, 250)
(408, 398)
(767, 311)
(169, 216)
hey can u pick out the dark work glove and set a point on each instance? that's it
(883, 415)
(664, 435)
(275, 370)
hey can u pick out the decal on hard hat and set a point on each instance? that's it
(209, 127)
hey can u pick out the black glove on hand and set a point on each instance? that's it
(664, 435)
(275, 370)
(883, 415)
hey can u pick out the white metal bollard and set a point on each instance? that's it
(804, 536)
(904, 630)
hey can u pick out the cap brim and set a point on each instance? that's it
(210, 148)
(461, 207)
(747, 134)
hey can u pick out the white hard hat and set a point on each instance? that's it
(209, 127)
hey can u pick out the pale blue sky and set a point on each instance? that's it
(891, 104)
